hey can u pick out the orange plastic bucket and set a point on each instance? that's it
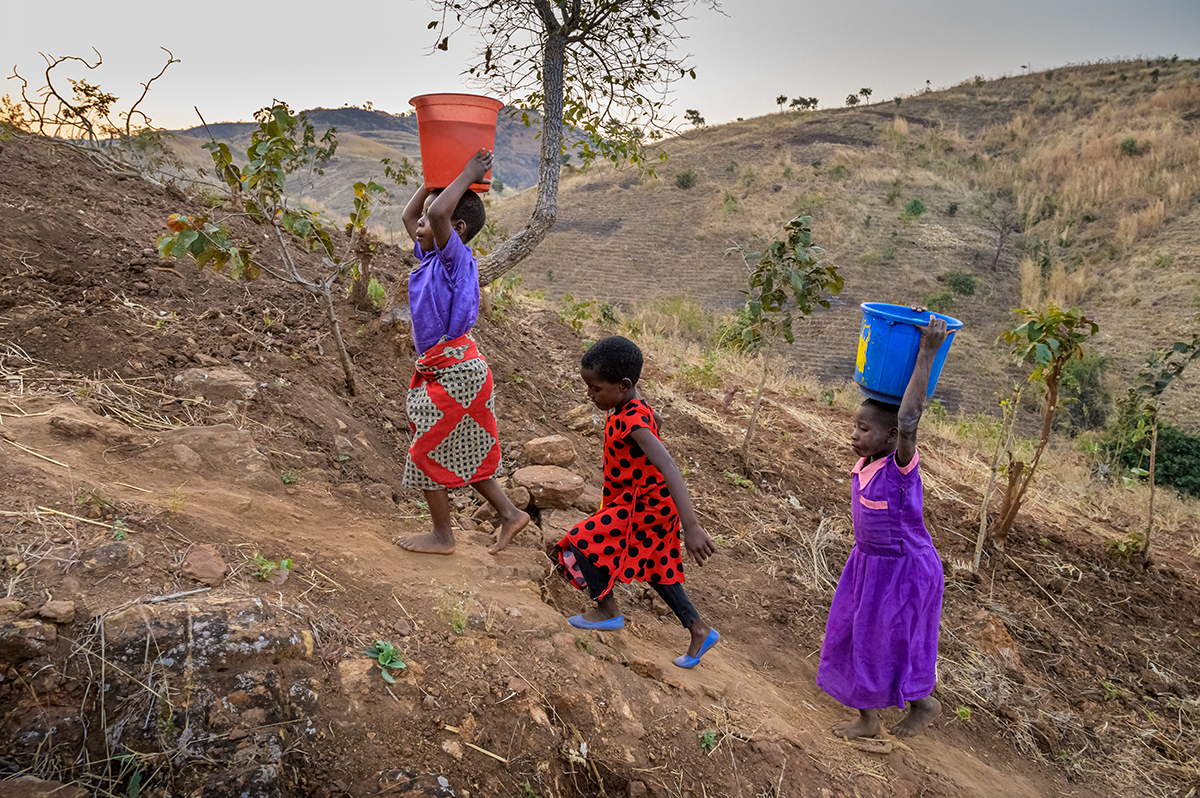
(452, 128)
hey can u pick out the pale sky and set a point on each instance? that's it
(321, 54)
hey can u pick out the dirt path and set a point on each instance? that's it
(755, 690)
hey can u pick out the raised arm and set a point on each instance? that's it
(913, 403)
(697, 541)
(443, 205)
(413, 211)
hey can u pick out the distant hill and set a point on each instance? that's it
(364, 138)
(1096, 166)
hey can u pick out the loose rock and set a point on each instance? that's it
(58, 611)
(551, 450)
(205, 564)
(550, 486)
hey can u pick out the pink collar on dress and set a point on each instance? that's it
(867, 470)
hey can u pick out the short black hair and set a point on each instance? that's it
(884, 411)
(470, 210)
(614, 359)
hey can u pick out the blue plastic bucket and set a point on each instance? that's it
(887, 350)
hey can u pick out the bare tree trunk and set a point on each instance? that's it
(1150, 515)
(1002, 445)
(335, 328)
(363, 252)
(999, 248)
(762, 381)
(545, 211)
(1012, 503)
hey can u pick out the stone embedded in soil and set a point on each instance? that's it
(113, 556)
(30, 787)
(10, 606)
(186, 458)
(223, 447)
(988, 632)
(22, 640)
(589, 501)
(551, 450)
(635, 789)
(550, 487)
(453, 748)
(519, 496)
(216, 633)
(402, 627)
(205, 565)
(219, 384)
(67, 427)
(58, 611)
(356, 674)
(557, 523)
(585, 419)
(380, 491)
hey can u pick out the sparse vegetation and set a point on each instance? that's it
(1047, 339)
(266, 569)
(788, 279)
(685, 179)
(913, 209)
(961, 283)
(387, 658)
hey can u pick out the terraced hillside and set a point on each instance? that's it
(1091, 170)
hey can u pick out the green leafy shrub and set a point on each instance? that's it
(939, 303)
(1131, 147)
(962, 283)
(1084, 402)
(387, 657)
(914, 209)
(377, 294)
(685, 179)
(574, 313)
(1177, 459)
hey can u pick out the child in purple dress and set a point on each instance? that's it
(451, 410)
(881, 638)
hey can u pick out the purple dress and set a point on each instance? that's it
(443, 293)
(881, 638)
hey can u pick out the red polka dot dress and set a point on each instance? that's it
(636, 533)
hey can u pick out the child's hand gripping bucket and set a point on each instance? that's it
(887, 350)
(452, 128)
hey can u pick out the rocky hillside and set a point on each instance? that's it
(1091, 172)
(197, 542)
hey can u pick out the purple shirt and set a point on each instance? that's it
(443, 293)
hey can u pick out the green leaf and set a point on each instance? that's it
(185, 238)
(387, 677)
(1042, 353)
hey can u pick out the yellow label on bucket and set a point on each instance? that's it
(860, 364)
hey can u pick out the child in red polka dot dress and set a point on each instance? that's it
(636, 534)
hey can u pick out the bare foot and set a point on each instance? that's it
(432, 543)
(509, 530)
(865, 725)
(919, 714)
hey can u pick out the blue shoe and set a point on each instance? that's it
(690, 662)
(579, 622)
